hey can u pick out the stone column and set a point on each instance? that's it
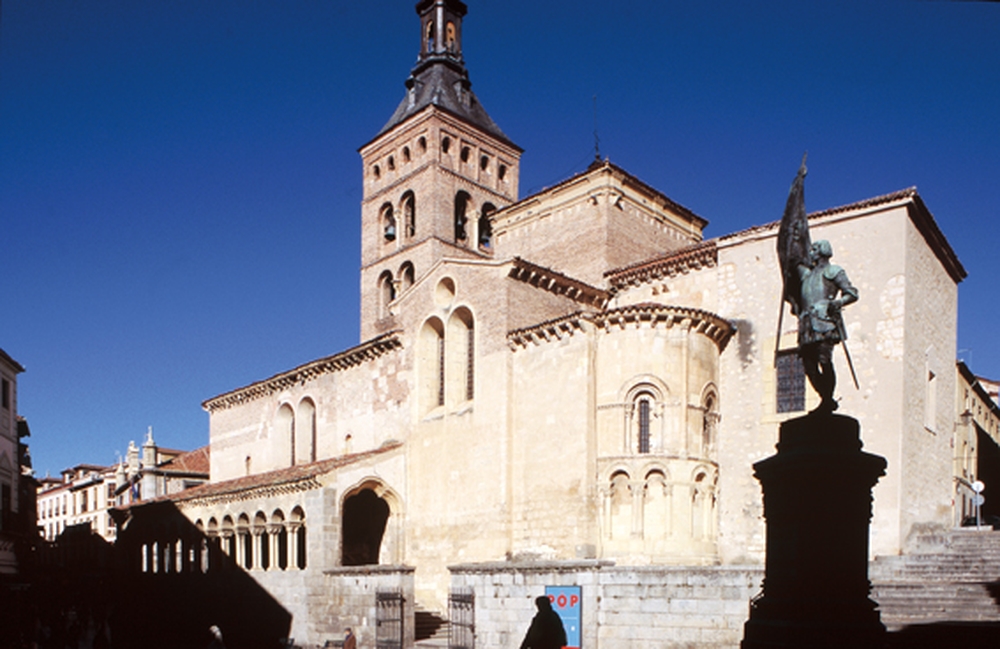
(273, 530)
(293, 544)
(241, 547)
(818, 506)
(637, 487)
(258, 547)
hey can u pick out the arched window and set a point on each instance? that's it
(710, 419)
(429, 37)
(406, 276)
(702, 506)
(462, 200)
(307, 435)
(284, 424)
(409, 214)
(388, 221)
(461, 356)
(656, 506)
(643, 411)
(485, 226)
(621, 506)
(386, 293)
(431, 364)
(450, 37)
(643, 416)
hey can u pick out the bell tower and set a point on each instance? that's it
(433, 175)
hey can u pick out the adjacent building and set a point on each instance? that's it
(13, 508)
(86, 494)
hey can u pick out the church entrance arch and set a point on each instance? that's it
(363, 526)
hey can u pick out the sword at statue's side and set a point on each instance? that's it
(842, 332)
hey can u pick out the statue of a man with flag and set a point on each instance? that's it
(816, 291)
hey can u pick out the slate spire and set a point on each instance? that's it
(439, 77)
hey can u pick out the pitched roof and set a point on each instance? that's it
(443, 83)
(293, 478)
(610, 167)
(706, 252)
(364, 352)
(10, 361)
(196, 461)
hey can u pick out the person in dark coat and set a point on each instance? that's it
(546, 630)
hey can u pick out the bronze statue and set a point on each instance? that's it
(816, 291)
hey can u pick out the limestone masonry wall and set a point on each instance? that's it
(622, 607)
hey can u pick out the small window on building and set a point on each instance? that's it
(485, 226)
(409, 214)
(406, 154)
(445, 144)
(429, 36)
(465, 154)
(5, 389)
(643, 420)
(388, 221)
(462, 200)
(392, 164)
(387, 293)
(406, 276)
(791, 381)
(377, 172)
(422, 143)
(502, 172)
(484, 163)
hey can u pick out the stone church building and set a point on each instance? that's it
(569, 387)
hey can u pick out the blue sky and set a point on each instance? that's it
(180, 183)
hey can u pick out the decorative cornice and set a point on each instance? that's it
(686, 260)
(701, 322)
(555, 329)
(558, 283)
(364, 352)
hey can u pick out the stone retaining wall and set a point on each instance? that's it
(622, 607)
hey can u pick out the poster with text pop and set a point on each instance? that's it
(566, 602)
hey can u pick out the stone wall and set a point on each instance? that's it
(345, 597)
(622, 607)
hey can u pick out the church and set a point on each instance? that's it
(563, 389)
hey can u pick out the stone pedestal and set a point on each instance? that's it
(817, 505)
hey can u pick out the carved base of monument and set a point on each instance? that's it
(817, 505)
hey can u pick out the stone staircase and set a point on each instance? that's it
(429, 628)
(953, 577)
